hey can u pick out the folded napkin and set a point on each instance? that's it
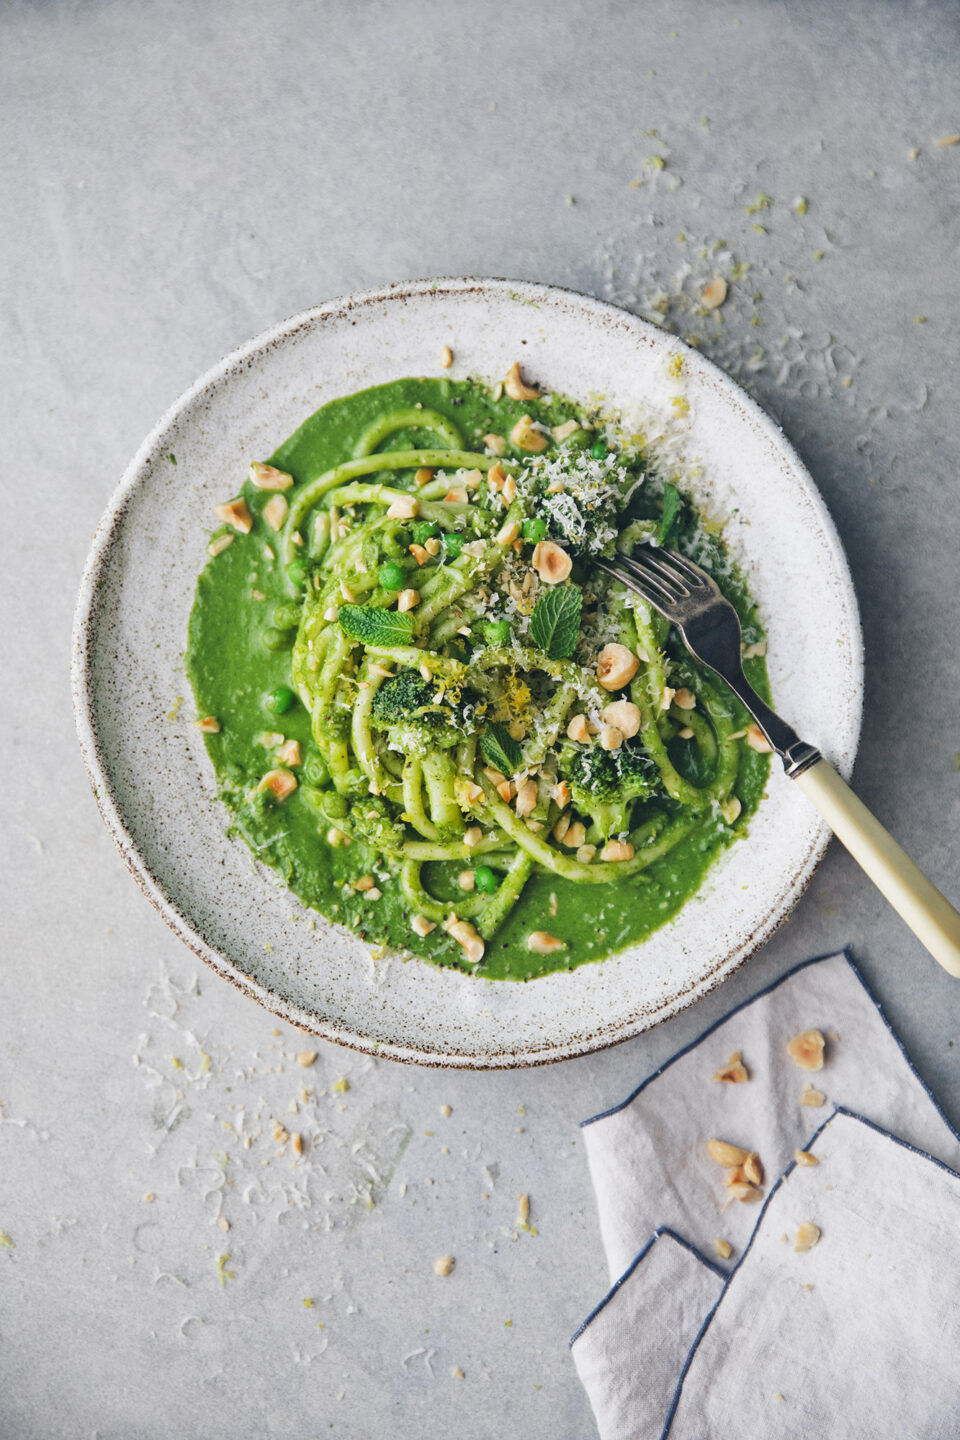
(668, 1313)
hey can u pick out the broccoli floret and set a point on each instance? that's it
(415, 720)
(604, 784)
(369, 820)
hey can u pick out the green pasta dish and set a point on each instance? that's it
(433, 715)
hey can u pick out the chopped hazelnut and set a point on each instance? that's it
(726, 1154)
(422, 477)
(237, 514)
(745, 1192)
(267, 477)
(306, 1058)
(734, 1072)
(526, 797)
(472, 836)
(421, 926)
(551, 562)
(496, 476)
(610, 737)
(467, 880)
(812, 1097)
(564, 431)
(526, 436)
(405, 507)
(723, 1248)
(562, 826)
(714, 294)
(419, 554)
(753, 1169)
(210, 725)
(275, 511)
(575, 836)
(495, 444)
(805, 1157)
(280, 783)
(467, 937)
(586, 854)
(730, 809)
(624, 715)
(685, 699)
(289, 753)
(541, 942)
(579, 729)
(444, 1265)
(807, 1236)
(446, 357)
(806, 1050)
(218, 544)
(616, 666)
(408, 599)
(515, 387)
(617, 850)
(756, 739)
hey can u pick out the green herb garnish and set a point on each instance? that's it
(499, 749)
(376, 627)
(555, 622)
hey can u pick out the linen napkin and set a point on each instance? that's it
(648, 1158)
(652, 1173)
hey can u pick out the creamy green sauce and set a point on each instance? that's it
(240, 642)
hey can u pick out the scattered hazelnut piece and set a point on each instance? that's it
(275, 511)
(812, 1097)
(523, 1209)
(617, 850)
(610, 737)
(472, 836)
(218, 544)
(296, 1142)
(562, 826)
(734, 1072)
(526, 797)
(575, 836)
(805, 1157)
(495, 444)
(714, 294)
(509, 490)
(541, 942)
(280, 783)
(421, 926)
(419, 553)
(616, 666)
(267, 477)
(505, 535)
(806, 1050)
(306, 1058)
(527, 437)
(753, 1169)
(366, 882)
(745, 1192)
(237, 514)
(210, 725)
(624, 715)
(807, 1236)
(446, 357)
(432, 546)
(586, 854)
(337, 838)
(730, 809)
(422, 477)
(723, 1248)
(726, 1154)
(444, 1265)
(496, 476)
(405, 507)
(515, 387)
(685, 699)
(756, 739)
(466, 936)
(579, 729)
(289, 753)
(467, 880)
(751, 652)
(564, 431)
(551, 562)
(408, 599)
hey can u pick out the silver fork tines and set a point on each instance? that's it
(710, 628)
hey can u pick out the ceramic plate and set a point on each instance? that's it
(155, 785)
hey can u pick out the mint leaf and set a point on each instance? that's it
(376, 627)
(555, 622)
(499, 749)
(671, 507)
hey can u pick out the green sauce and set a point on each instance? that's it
(242, 632)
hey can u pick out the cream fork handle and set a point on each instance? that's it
(929, 914)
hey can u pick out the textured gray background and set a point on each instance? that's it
(175, 177)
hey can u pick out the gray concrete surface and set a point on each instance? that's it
(176, 176)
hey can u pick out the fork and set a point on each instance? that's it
(709, 626)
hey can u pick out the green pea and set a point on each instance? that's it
(278, 702)
(286, 617)
(497, 632)
(277, 639)
(392, 575)
(534, 529)
(421, 530)
(599, 451)
(486, 880)
(317, 770)
(297, 572)
(452, 545)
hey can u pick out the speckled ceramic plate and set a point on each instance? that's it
(155, 786)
